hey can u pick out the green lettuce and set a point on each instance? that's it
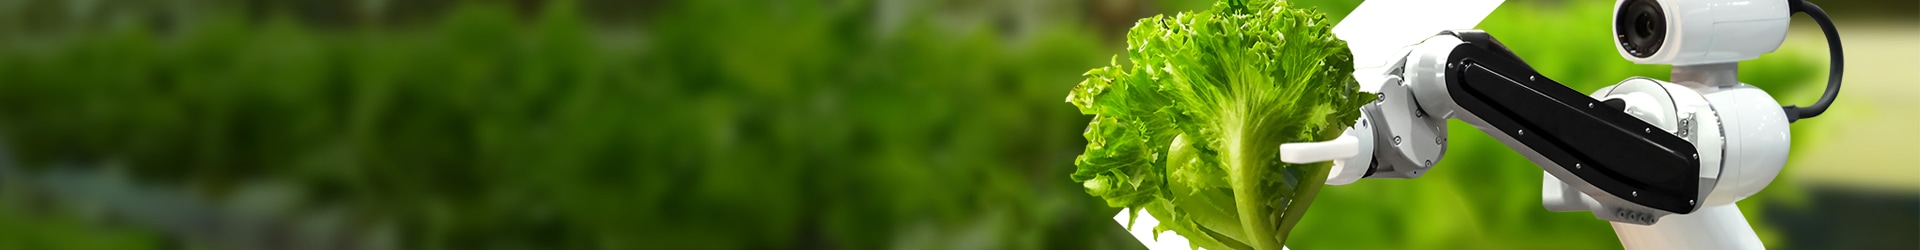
(1190, 131)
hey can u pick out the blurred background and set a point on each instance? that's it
(842, 124)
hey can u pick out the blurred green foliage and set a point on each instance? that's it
(66, 231)
(799, 126)
(710, 125)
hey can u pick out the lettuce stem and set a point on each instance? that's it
(1298, 207)
(1247, 174)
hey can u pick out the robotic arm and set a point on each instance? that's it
(1664, 161)
(1635, 170)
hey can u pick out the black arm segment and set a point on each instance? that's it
(1612, 150)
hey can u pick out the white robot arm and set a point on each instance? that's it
(1633, 153)
(1664, 161)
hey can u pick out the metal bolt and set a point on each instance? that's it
(1522, 132)
(1689, 202)
(1382, 97)
(1576, 165)
(1636, 193)
(1530, 78)
(1589, 105)
(1440, 140)
(1696, 155)
(1647, 130)
(1396, 140)
(1427, 164)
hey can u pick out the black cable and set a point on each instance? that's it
(1836, 61)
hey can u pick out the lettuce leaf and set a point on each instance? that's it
(1190, 130)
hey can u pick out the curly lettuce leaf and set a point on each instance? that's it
(1190, 130)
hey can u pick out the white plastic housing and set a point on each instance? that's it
(1715, 31)
(1757, 140)
(1350, 169)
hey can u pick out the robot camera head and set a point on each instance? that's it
(1692, 32)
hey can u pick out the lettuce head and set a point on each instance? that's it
(1189, 131)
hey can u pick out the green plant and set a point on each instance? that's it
(1189, 133)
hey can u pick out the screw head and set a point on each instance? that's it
(1589, 105)
(1647, 130)
(1530, 78)
(1396, 140)
(1522, 132)
(1689, 202)
(1636, 193)
(1576, 166)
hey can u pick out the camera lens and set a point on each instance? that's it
(1640, 27)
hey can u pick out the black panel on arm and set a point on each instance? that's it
(1618, 153)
